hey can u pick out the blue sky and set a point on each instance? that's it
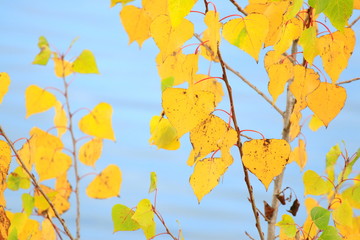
(130, 83)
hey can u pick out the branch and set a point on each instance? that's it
(349, 81)
(164, 224)
(355, 21)
(240, 9)
(36, 184)
(245, 81)
(239, 145)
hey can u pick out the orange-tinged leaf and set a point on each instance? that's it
(207, 173)
(38, 100)
(211, 35)
(63, 186)
(211, 135)
(144, 216)
(5, 159)
(310, 228)
(356, 4)
(136, 23)
(63, 68)
(265, 158)
(26, 155)
(107, 184)
(163, 134)
(85, 63)
(310, 203)
(4, 224)
(52, 165)
(299, 154)
(179, 66)
(314, 184)
(305, 81)
(90, 151)
(98, 122)
(295, 118)
(169, 38)
(315, 123)
(47, 230)
(30, 230)
(290, 32)
(155, 8)
(206, 83)
(279, 75)
(4, 84)
(273, 57)
(309, 43)
(60, 203)
(186, 108)
(247, 33)
(60, 119)
(178, 9)
(326, 101)
(335, 53)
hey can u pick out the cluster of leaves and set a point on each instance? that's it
(44, 156)
(339, 198)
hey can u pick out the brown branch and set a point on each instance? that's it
(240, 9)
(246, 81)
(239, 145)
(36, 184)
(353, 22)
(164, 224)
(348, 81)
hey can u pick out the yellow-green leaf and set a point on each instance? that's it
(315, 123)
(90, 152)
(339, 12)
(122, 218)
(343, 214)
(5, 159)
(153, 182)
(287, 225)
(314, 184)
(38, 100)
(331, 159)
(107, 184)
(309, 44)
(144, 216)
(4, 84)
(114, 2)
(85, 63)
(265, 158)
(163, 134)
(43, 56)
(98, 122)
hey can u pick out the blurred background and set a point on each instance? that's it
(130, 83)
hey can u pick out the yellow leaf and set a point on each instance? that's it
(106, 184)
(314, 184)
(211, 36)
(305, 81)
(38, 100)
(335, 53)
(309, 43)
(206, 83)
(169, 38)
(279, 75)
(211, 135)
(179, 66)
(178, 9)
(265, 158)
(47, 230)
(98, 122)
(299, 154)
(207, 173)
(5, 159)
(30, 230)
(247, 33)
(310, 203)
(290, 32)
(114, 2)
(136, 23)
(90, 152)
(163, 134)
(186, 108)
(343, 214)
(295, 118)
(356, 4)
(315, 123)
(326, 101)
(63, 68)
(4, 83)
(62, 186)
(144, 216)
(4, 223)
(155, 8)
(310, 228)
(85, 63)
(273, 57)
(60, 119)
(60, 203)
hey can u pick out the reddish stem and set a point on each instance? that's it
(214, 6)
(332, 183)
(232, 15)
(78, 110)
(82, 138)
(55, 127)
(23, 138)
(55, 89)
(202, 43)
(249, 130)
(212, 155)
(198, 12)
(87, 174)
(207, 79)
(332, 38)
(191, 44)
(229, 114)
(326, 80)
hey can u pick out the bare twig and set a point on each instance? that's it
(246, 81)
(348, 81)
(240, 9)
(164, 224)
(353, 22)
(36, 184)
(247, 234)
(239, 145)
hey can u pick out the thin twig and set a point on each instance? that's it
(240, 9)
(247, 234)
(348, 81)
(36, 184)
(353, 22)
(245, 81)
(55, 228)
(239, 145)
(164, 224)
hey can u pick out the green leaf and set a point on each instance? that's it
(293, 9)
(121, 216)
(85, 63)
(144, 216)
(43, 56)
(319, 5)
(331, 158)
(28, 203)
(320, 217)
(18, 179)
(153, 182)
(339, 12)
(308, 42)
(330, 233)
(314, 184)
(13, 235)
(167, 82)
(287, 225)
